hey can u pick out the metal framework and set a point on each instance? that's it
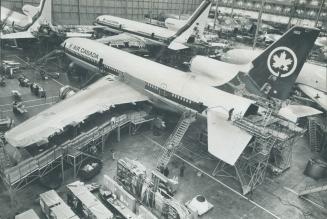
(18, 177)
(271, 147)
(79, 148)
(317, 130)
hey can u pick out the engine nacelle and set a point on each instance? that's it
(66, 91)
(71, 67)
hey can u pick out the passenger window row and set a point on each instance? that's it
(168, 94)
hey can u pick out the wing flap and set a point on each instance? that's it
(18, 35)
(225, 141)
(318, 96)
(98, 97)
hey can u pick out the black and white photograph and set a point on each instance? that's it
(163, 109)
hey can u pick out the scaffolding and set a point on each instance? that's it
(317, 130)
(313, 189)
(81, 147)
(271, 146)
(74, 151)
(16, 178)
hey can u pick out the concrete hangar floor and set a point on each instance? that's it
(277, 197)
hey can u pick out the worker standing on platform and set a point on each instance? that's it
(181, 170)
(113, 153)
(230, 114)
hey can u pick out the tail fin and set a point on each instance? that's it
(275, 70)
(46, 10)
(44, 14)
(194, 26)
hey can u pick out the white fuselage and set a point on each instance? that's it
(311, 74)
(158, 81)
(312, 79)
(135, 27)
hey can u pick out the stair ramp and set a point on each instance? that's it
(171, 145)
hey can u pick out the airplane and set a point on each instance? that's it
(175, 40)
(174, 24)
(36, 20)
(312, 79)
(133, 79)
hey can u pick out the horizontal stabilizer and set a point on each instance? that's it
(18, 35)
(295, 112)
(318, 96)
(225, 141)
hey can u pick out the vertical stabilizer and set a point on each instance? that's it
(275, 70)
(45, 14)
(194, 27)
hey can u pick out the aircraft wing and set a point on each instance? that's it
(121, 39)
(318, 96)
(98, 97)
(78, 34)
(225, 141)
(18, 35)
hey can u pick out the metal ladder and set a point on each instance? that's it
(267, 117)
(269, 145)
(313, 189)
(4, 158)
(48, 56)
(313, 138)
(175, 138)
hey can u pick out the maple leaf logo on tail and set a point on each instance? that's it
(282, 62)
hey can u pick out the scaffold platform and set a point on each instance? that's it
(26, 171)
(272, 143)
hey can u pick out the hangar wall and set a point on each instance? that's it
(85, 11)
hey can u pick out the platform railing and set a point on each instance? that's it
(32, 166)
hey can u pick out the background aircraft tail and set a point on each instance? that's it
(275, 70)
(43, 14)
(194, 27)
(45, 9)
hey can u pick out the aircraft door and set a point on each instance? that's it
(100, 65)
(162, 89)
